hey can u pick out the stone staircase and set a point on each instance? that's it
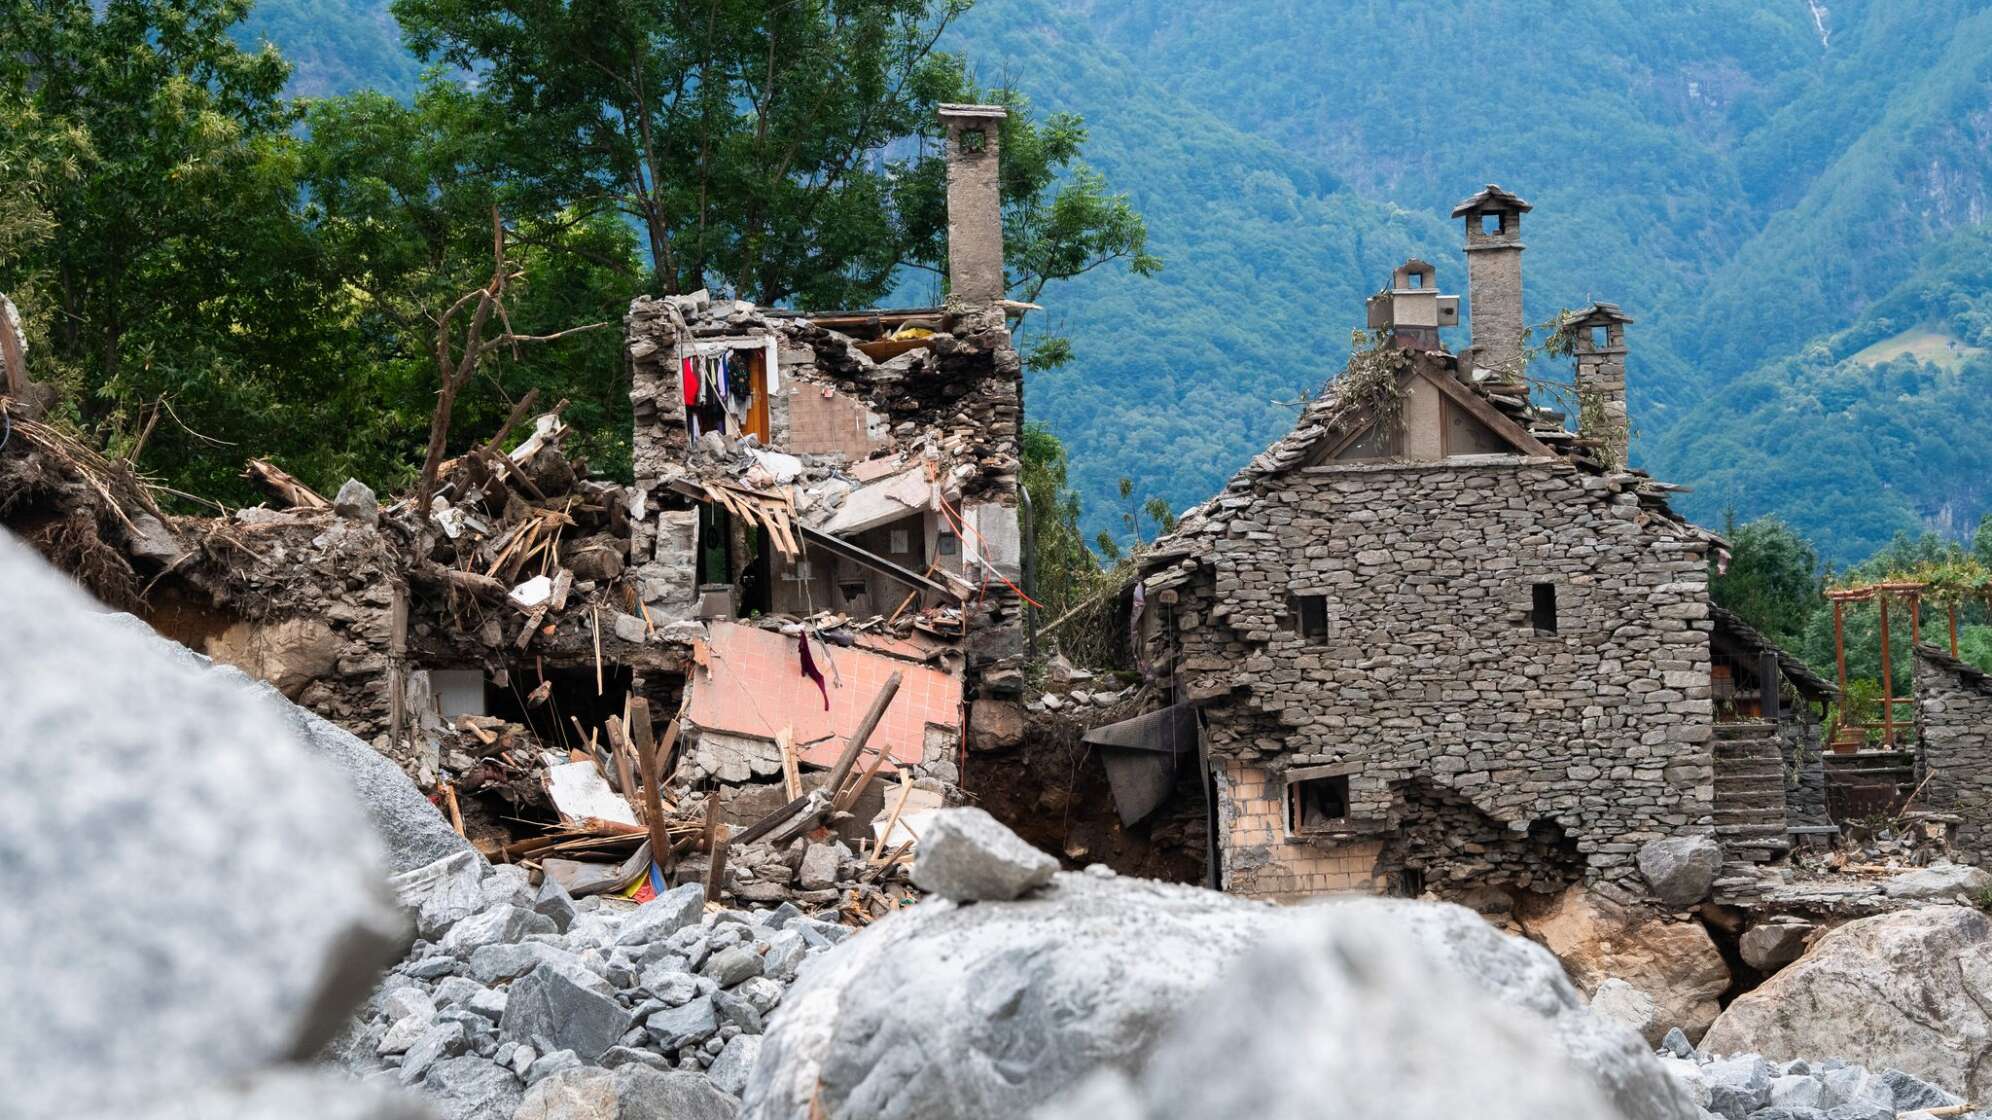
(1749, 792)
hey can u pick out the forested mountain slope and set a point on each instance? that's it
(1770, 188)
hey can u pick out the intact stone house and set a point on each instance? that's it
(1437, 641)
(1954, 745)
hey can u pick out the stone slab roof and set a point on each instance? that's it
(1731, 625)
(1491, 197)
(1963, 670)
(1328, 416)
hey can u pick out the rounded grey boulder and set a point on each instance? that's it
(1681, 869)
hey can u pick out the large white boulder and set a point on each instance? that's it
(1387, 1008)
(947, 1011)
(190, 895)
(1909, 989)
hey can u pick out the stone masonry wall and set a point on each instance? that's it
(1431, 668)
(1805, 769)
(1954, 718)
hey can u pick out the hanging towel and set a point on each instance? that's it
(690, 375)
(810, 670)
(724, 371)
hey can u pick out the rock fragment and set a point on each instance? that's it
(969, 856)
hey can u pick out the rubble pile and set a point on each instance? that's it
(1751, 1087)
(521, 994)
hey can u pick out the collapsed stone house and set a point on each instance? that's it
(1435, 641)
(835, 503)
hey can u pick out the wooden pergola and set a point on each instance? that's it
(1882, 593)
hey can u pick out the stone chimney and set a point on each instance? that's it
(1494, 277)
(1596, 336)
(975, 205)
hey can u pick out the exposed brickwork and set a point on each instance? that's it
(822, 421)
(1261, 858)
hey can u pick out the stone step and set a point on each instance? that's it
(1749, 783)
(1749, 808)
(1771, 821)
(1746, 729)
(1755, 773)
(1762, 748)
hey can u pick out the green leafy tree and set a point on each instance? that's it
(1773, 580)
(1063, 568)
(785, 151)
(177, 281)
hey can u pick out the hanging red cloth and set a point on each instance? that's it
(810, 670)
(690, 374)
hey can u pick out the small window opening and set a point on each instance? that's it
(1310, 617)
(1318, 804)
(1600, 338)
(1490, 223)
(1542, 612)
(1408, 883)
(1414, 280)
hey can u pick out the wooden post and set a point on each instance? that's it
(1770, 703)
(791, 770)
(1887, 680)
(1840, 642)
(715, 846)
(898, 806)
(864, 732)
(397, 663)
(653, 803)
(1952, 609)
(1915, 621)
(716, 870)
(620, 748)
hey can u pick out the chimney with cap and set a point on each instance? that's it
(975, 205)
(1596, 336)
(1494, 277)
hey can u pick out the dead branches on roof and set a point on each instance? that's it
(457, 362)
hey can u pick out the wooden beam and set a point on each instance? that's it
(1486, 413)
(863, 734)
(653, 804)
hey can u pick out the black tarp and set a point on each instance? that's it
(1143, 755)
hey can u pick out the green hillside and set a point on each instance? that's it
(1768, 189)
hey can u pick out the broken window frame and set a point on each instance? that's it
(1297, 782)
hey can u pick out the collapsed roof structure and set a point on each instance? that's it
(814, 580)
